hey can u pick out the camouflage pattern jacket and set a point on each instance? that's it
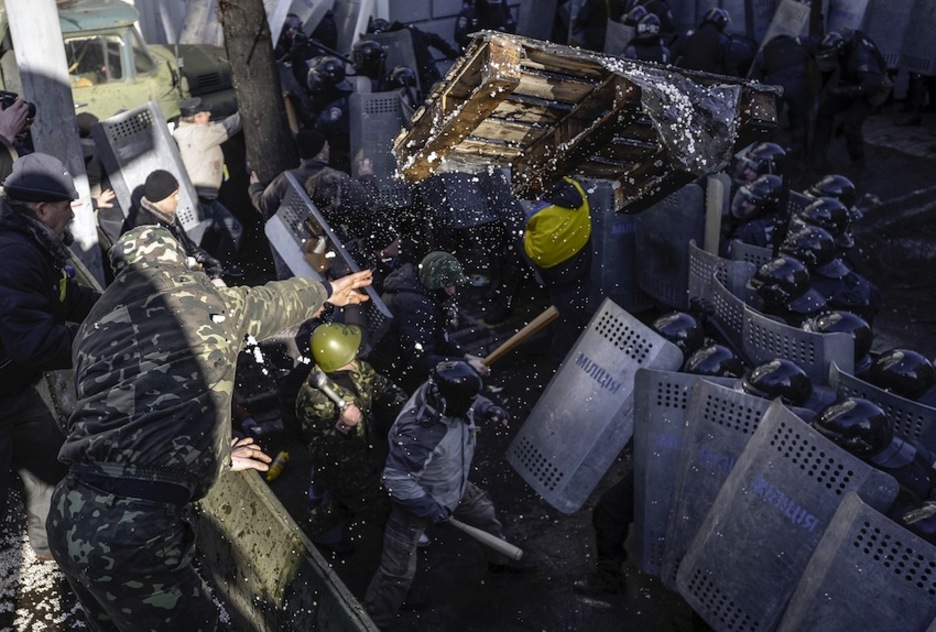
(155, 359)
(362, 449)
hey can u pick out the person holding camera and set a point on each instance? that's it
(15, 117)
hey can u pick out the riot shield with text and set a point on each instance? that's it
(767, 520)
(661, 404)
(301, 235)
(719, 423)
(585, 417)
(865, 574)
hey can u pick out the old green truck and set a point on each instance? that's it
(111, 68)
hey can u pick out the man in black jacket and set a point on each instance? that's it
(158, 207)
(41, 306)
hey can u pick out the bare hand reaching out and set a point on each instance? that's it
(247, 455)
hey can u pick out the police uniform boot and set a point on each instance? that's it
(605, 581)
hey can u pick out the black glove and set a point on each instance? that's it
(442, 516)
(496, 414)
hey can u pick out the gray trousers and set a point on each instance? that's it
(391, 582)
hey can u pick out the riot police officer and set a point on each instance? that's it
(863, 428)
(330, 89)
(647, 45)
(782, 288)
(483, 15)
(904, 372)
(715, 360)
(756, 211)
(842, 321)
(708, 48)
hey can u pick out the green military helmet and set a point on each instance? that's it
(440, 269)
(334, 345)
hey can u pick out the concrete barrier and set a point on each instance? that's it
(270, 575)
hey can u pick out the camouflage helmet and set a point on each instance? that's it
(334, 345)
(440, 269)
(145, 246)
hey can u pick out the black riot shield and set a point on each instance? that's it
(301, 235)
(134, 144)
(661, 405)
(912, 420)
(868, 573)
(767, 520)
(663, 234)
(585, 416)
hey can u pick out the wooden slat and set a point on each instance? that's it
(547, 88)
(588, 127)
(500, 76)
(514, 133)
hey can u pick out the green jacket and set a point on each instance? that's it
(154, 363)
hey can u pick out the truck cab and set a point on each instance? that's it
(111, 68)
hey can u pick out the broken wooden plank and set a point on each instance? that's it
(590, 125)
(499, 77)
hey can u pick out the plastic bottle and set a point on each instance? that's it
(277, 466)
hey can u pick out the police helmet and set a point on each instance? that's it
(368, 56)
(828, 50)
(334, 345)
(904, 372)
(682, 329)
(718, 17)
(402, 77)
(440, 269)
(812, 245)
(378, 25)
(715, 360)
(634, 15)
(834, 186)
(758, 197)
(759, 159)
(784, 283)
(329, 72)
(841, 321)
(457, 384)
(828, 213)
(779, 378)
(648, 26)
(856, 424)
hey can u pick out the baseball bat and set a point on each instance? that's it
(485, 538)
(531, 329)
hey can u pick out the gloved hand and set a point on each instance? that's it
(496, 414)
(442, 516)
(845, 91)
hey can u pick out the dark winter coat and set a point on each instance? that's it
(708, 50)
(40, 304)
(267, 199)
(418, 338)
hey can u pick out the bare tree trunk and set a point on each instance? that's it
(270, 147)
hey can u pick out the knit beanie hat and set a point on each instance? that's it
(310, 143)
(159, 185)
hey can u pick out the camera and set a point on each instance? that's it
(7, 99)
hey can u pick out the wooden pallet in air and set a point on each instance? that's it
(547, 110)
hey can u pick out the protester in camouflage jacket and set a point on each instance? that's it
(154, 365)
(348, 446)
